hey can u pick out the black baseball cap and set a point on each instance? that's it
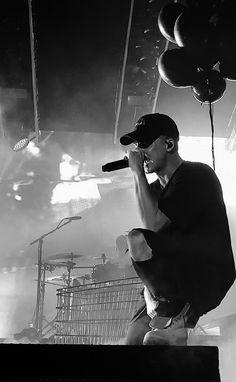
(150, 127)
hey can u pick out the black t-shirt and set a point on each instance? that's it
(193, 258)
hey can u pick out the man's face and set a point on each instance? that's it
(156, 156)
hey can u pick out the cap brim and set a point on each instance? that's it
(127, 139)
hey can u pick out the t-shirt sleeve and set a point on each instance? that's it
(189, 194)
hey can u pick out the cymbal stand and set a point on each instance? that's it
(41, 277)
(42, 292)
(69, 267)
(49, 324)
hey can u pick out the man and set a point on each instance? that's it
(183, 254)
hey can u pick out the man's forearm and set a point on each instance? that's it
(151, 215)
(147, 206)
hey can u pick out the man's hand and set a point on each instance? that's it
(136, 161)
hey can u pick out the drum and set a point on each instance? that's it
(106, 272)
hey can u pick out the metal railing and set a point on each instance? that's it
(96, 313)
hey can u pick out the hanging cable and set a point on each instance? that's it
(212, 135)
(123, 70)
(33, 66)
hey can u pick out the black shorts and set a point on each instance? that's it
(164, 273)
(162, 276)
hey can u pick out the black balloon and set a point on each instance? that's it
(227, 68)
(191, 29)
(210, 86)
(177, 68)
(197, 34)
(167, 17)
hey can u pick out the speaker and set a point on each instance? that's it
(36, 362)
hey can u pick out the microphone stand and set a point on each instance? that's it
(40, 293)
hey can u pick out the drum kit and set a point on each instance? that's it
(101, 272)
(65, 260)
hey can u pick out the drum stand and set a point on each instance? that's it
(38, 324)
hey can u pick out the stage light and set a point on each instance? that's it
(16, 117)
(19, 138)
(18, 197)
(21, 144)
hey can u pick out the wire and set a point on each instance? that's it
(123, 70)
(33, 72)
(201, 328)
(212, 135)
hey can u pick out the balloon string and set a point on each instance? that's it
(212, 135)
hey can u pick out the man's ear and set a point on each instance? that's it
(169, 143)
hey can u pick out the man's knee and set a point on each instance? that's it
(137, 331)
(138, 247)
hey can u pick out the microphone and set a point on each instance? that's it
(74, 218)
(117, 165)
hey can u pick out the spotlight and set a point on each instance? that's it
(19, 138)
(21, 144)
(16, 114)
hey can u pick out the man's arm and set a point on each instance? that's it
(153, 218)
(151, 215)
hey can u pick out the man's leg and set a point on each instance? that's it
(137, 329)
(175, 333)
(139, 326)
(168, 330)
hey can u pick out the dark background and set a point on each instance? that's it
(79, 55)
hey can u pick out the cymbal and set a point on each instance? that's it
(86, 277)
(55, 278)
(61, 263)
(102, 258)
(70, 255)
(61, 278)
(55, 263)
